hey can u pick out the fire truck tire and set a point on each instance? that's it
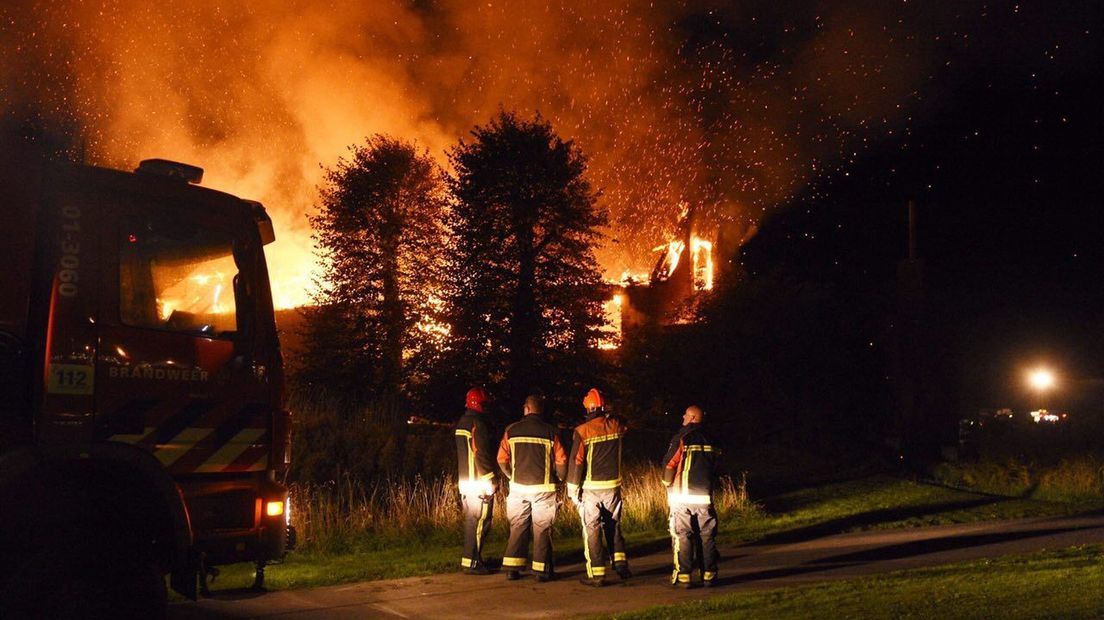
(56, 583)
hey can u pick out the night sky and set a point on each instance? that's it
(1007, 175)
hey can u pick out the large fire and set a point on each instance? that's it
(264, 95)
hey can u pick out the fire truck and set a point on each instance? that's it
(143, 430)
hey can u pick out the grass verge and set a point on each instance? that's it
(359, 535)
(1053, 584)
(1072, 480)
(884, 502)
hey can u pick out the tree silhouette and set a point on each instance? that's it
(524, 294)
(379, 232)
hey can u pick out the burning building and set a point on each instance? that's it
(683, 270)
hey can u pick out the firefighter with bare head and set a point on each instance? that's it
(531, 457)
(689, 472)
(594, 484)
(476, 476)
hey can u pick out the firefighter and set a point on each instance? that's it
(476, 477)
(688, 473)
(532, 458)
(594, 484)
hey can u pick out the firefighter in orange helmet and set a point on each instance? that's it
(476, 478)
(532, 458)
(594, 484)
(688, 473)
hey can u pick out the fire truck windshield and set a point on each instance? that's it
(178, 277)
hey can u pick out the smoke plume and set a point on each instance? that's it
(731, 109)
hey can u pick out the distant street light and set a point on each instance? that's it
(1041, 379)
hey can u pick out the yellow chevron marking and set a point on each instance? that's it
(125, 438)
(231, 450)
(171, 452)
(262, 463)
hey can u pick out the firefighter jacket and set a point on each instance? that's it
(531, 456)
(475, 454)
(595, 459)
(690, 466)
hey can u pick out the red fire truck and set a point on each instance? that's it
(142, 423)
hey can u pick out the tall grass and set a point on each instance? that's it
(349, 514)
(363, 479)
(1073, 479)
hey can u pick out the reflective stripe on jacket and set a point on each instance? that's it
(595, 461)
(690, 466)
(474, 451)
(531, 456)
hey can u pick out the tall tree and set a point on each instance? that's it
(524, 294)
(379, 231)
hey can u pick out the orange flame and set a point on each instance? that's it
(612, 311)
(701, 253)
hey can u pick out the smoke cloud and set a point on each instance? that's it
(730, 109)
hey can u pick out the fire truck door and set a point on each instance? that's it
(175, 380)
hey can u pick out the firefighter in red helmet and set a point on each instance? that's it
(594, 484)
(475, 456)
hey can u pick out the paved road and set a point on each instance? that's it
(793, 558)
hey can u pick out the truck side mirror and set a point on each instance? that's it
(264, 222)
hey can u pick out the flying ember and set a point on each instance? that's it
(664, 119)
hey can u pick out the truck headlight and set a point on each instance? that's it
(274, 509)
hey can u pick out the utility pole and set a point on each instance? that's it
(910, 433)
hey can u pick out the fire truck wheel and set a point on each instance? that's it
(56, 583)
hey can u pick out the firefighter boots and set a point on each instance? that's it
(594, 582)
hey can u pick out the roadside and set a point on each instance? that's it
(748, 567)
(1063, 583)
(873, 502)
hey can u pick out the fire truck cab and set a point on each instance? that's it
(142, 425)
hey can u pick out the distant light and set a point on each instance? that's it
(1041, 379)
(1042, 415)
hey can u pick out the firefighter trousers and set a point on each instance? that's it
(477, 522)
(600, 511)
(693, 537)
(530, 515)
